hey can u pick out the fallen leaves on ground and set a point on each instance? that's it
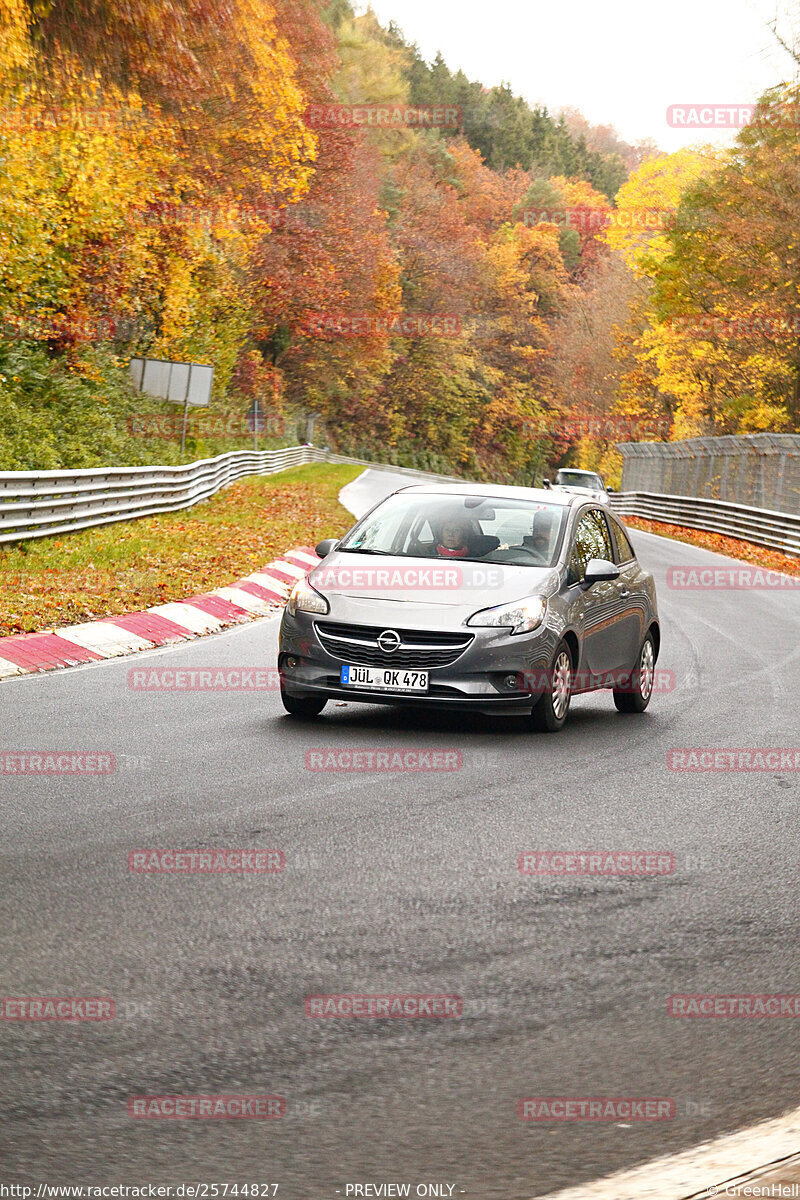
(136, 564)
(770, 560)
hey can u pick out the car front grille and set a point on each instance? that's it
(419, 650)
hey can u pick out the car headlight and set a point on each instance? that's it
(520, 617)
(305, 599)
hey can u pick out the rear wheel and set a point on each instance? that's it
(305, 708)
(550, 710)
(636, 698)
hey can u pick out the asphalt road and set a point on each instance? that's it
(399, 883)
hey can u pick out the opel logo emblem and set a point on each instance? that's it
(389, 641)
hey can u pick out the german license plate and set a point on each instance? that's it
(385, 679)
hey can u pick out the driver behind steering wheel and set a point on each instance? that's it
(540, 535)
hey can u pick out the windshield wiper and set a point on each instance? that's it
(364, 550)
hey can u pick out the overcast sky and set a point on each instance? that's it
(621, 62)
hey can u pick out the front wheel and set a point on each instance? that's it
(550, 710)
(636, 698)
(305, 708)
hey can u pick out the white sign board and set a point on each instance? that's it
(180, 383)
(156, 377)
(201, 380)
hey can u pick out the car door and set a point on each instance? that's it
(633, 593)
(598, 612)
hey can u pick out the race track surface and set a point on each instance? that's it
(403, 883)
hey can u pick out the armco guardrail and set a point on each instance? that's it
(758, 469)
(42, 503)
(778, 530)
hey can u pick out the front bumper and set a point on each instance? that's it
(477, 680)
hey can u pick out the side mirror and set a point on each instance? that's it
(599, 570)
(546, 483)
(610, 490)
(326, 547)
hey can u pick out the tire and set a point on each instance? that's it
(551, 709)
(638, 697)
(305, 709)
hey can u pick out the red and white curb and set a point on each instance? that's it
(258, 595)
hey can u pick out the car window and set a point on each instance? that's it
(583, 479)
(625, 550)
(388, 534)
(478, 528)
(591, 540)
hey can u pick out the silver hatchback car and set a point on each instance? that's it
(474, 596)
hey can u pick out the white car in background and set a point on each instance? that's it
(581, 483)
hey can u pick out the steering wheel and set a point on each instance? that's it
(513, 550)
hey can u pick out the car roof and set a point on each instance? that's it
(576, 471)
(498, 491)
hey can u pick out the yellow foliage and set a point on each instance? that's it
(647, 203)
(15, 47)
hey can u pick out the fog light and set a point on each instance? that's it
(511, 681)
(291, 662)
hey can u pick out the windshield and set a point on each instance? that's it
(490, 529)
(583, 479)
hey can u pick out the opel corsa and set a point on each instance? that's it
(470, 596)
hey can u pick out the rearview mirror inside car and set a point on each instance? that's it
(599, 570)
(326, 547)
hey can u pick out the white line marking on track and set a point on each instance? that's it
(692, 1172)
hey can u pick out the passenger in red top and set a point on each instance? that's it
(453, 540)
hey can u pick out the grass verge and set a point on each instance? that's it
(48, 582)
(770, 560)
